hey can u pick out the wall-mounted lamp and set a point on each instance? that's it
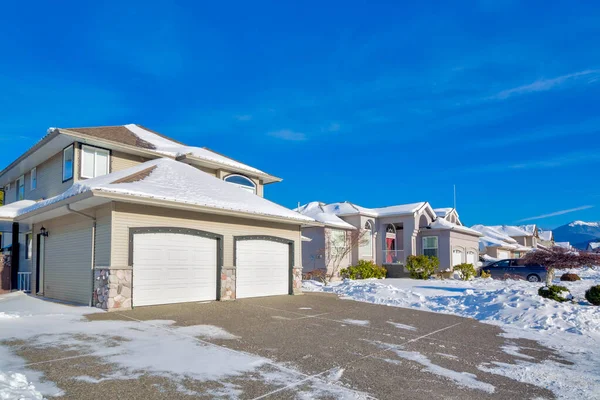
(43, 232)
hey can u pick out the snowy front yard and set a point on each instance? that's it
(572, 329)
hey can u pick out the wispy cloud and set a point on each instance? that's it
(559, 161)
(287, 134)
(556, 213)
(243, 117)
(544, 85)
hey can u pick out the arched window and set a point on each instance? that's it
(242, 181)
(366, 243)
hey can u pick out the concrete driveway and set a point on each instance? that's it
(364, 350)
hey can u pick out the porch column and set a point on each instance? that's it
(15, 254)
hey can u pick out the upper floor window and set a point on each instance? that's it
(94, 162)
(68, 156)
(21, 188)
(242, 181)
(430, 246)
(33, 177)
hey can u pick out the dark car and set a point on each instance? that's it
(515, 266)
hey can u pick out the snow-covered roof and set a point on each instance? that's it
(401, 209)
(565, 245)
(170, 180)
(546, 236)
(511, 230)
(305, 238)
(593, 245)
(441, 223)
(11, 210)
(493, 233)
(318, 212)
(531, 228)
(171, 148)
(347, 208)
(442, 212)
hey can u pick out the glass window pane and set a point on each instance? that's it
(101, 163)
(33, 178)
(87, 162)
(68, 163)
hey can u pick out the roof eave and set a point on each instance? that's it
(197, 208)
(35, 147)
(266, 178)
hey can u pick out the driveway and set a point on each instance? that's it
(316, 345)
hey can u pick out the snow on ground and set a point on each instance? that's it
(131, 348)
(571, 328)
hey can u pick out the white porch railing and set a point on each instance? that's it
(24, 282)
(393, 256)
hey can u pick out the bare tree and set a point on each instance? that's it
(561, 258)
(338, 246)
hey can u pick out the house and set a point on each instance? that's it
(545, 238)
(496, 244)
(390, 235)
(594, 247)
(122, 216)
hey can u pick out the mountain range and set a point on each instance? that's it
(578, 233)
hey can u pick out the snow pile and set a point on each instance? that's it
(442, 224)
(16, 386)
(571, 328)
(178, 182)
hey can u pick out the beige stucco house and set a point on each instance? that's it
(123, 216)
(391, 235)
(497, 242)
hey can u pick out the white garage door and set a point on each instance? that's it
(471, 259)
(173, 268)
(502, 254)
(262, 268)
(457, 257)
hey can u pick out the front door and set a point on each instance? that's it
(39, 265)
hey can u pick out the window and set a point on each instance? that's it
(33, 185)
(430, 246)
(94, 162)
(337, 241)
(242, 182)
(21, 188)
(68, 155)
(28, 246)
(366, 243)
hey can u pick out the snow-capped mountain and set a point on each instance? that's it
(578, 233)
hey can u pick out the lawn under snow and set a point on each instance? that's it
(572, 329)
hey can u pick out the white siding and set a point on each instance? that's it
(131, 216)
(68, 259)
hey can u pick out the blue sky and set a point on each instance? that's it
(374, 103)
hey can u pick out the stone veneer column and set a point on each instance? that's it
(227, 283)
(297, 280)
(112, 289)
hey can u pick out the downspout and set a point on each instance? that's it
(93, 247)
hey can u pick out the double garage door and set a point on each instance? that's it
(183, 267)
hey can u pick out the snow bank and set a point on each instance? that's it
(16, 386)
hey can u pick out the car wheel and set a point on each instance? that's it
(533, 278)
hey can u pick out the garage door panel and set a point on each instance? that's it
(173, 268)
(262, 268)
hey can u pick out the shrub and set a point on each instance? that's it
(421, 267)
(593, 295)
(485, 274)
(555, 292)
(467, 271)
(314, 275)
(570, 277)
(364, 270)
